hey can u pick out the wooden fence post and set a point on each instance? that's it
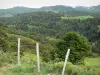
(38, 59)
(65, 61)
(19, 63)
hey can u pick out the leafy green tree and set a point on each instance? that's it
(3, 45)
(3, 41)
(78, 44)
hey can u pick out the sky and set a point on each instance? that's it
(39, 3)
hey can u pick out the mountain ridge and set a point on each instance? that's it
(57, 8)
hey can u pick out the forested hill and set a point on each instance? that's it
(48, 28)
(43, 24)
(58, 8)
(48, 23)
(56, 28)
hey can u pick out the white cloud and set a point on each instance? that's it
(39, 3)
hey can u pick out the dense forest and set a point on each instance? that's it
(49, 29)
(50, 24)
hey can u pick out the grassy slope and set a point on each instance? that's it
(55, 68)
(92, 62)
(78, 17)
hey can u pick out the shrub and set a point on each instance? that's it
(29, 59)
(7, 58)
(78, 44)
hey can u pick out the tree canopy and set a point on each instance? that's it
(78, 44)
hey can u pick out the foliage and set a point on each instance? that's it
(77, 11)
(96, 47)
(50, 24)
(51, 68)
(45, 50)
(9, 58)
(21, 70)
(29, 67)
(3, 42)
(93, 61)
(29, 59)
(27, 44)
(78, 44)
(78, 17)
(48, 27)
(4, 45)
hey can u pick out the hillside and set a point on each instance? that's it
(58, 8)
(48, 23)
(56, 30)
(92, 9)
(16, 10)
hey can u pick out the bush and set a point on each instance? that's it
(4, 45)
(46, 68)
(7, 58)
(23, 68)
(78, 44)
(29, 59)
(56, 69)
(93, 55)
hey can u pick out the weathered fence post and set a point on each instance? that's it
(38, 59)
(19, 63)
(65, 61)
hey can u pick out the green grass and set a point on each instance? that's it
(29, 67)
(92, 62)
(78, 17)
(56, 69)
(15, 37)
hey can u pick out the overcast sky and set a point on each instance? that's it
(40, 3)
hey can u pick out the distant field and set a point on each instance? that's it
(78, 17)
(93, 62)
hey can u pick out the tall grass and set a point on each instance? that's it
(29, 67)
(92, 62)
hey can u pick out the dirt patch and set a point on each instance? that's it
(2, 69)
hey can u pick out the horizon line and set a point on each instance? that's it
(51, 5)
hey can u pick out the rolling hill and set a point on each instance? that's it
(58, 8)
